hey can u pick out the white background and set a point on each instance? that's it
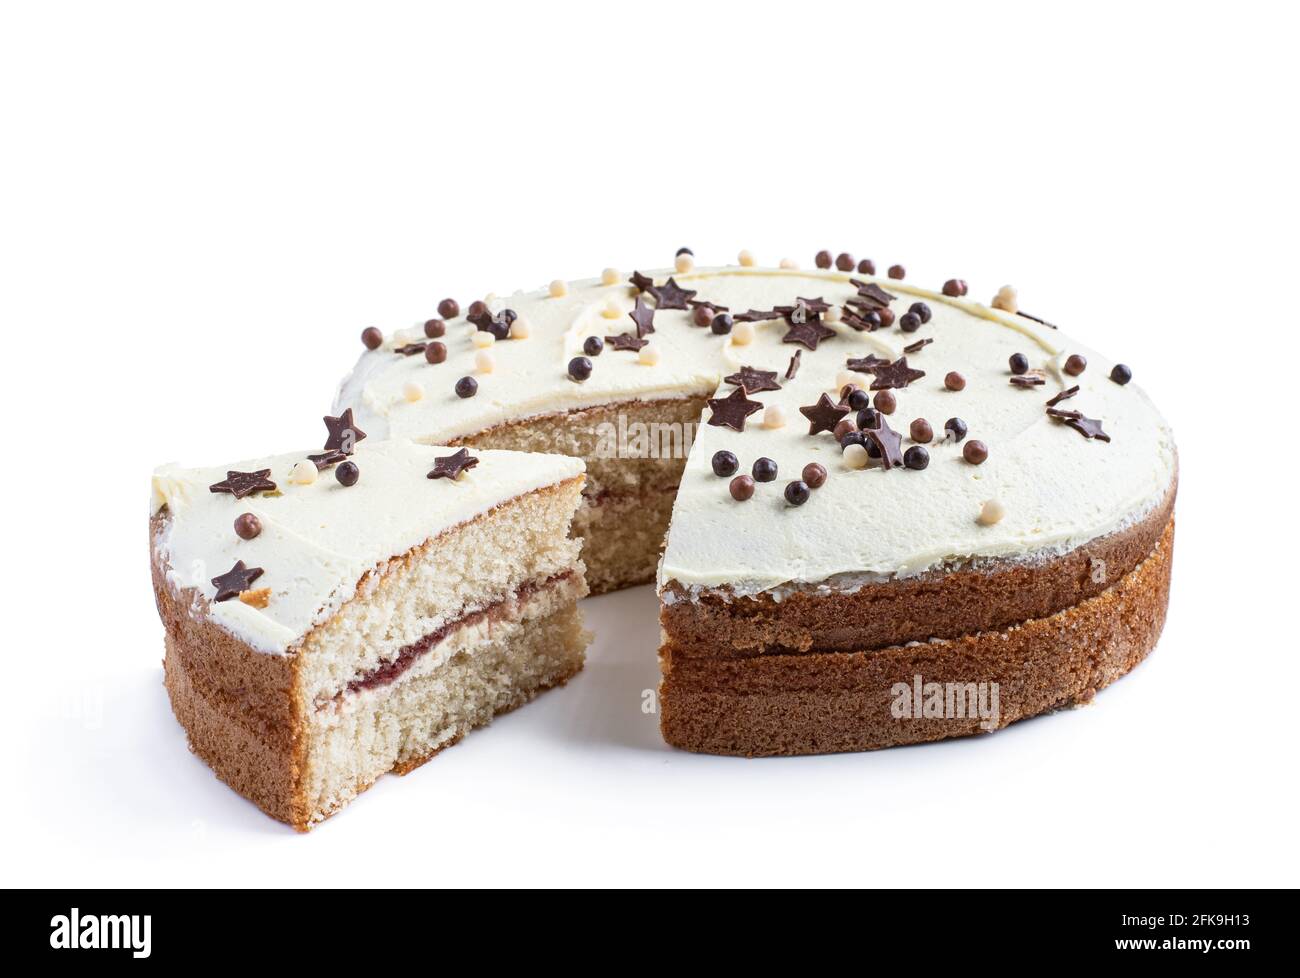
(204, 204)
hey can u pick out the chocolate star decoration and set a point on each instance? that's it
(670, 295)
(644, 317)
(888, 441)
(753, 380)
(626, 341)
(411, 349)
(732, 410)
(808, 333)
(235, 581)
(793, 369)
(867, 364)
(343, 433)
(897, 374)
(756, 315)
(451, 466)
(873, 293)
(1088, 427)
(325, 459)
(811, 307)
(824, 415)
(642, 283)
(241, 484)
(1065, 395)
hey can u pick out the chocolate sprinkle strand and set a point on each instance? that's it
(1027, 380)
(1088, 427)
(793, 369)
(1065, 395)
(918, 345)
(325, 459)
(410, 349)
(241, 484)
(1041, 322)
(235, 581)
(451, 466)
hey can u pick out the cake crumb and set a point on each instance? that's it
(256, 599)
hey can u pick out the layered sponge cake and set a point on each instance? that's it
(892, 514)
(333, 616)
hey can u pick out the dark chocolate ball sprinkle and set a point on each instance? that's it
(722, 324)
(916, 457)
(852, 438)
(684, 251)
(886, 317)
(742, 487)
(844, 262)
(975, 451)
(476, 309)
(579, 368)
(921, 309)
(823, 259)
(867, 267)
(797, 493)
(885, 402)
(954, 287)
(347, 473)
(466, 387)
(897, 272)
(909, 322)
(435, 328)
(1019, 363)
(872, 320)
(764, 470)
(954, 381)
(247, 526)
(921, 431)
(858, 399)
(592, 346)
(814, 474)
(955, 427)
(725, 463)
(873, 450)
(868, 418)
(435, 352)
(703, 316)
(1075, 364)
(842, 428)
(448, 308)
(1121, 373)
(372, 338)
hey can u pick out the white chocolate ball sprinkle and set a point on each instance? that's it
(609, 276)
(482, 339)
(991, 512)
(612, 310)
(773, 416)
(746, 259)
(742, 334)
(649, 355)
(484, 362)
(1006, 299)
(833, 315)
(684, 263)
(303, 474)
(856, 457)
(519, 329)
(412, 392)
(789, 263)
(559, 288)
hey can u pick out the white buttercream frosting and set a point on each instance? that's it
(319, 540)
(1057, 488)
